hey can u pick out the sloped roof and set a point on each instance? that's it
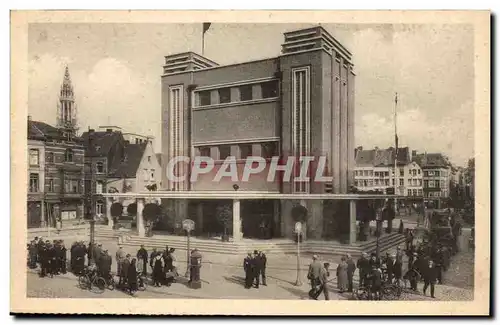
(381, 157)
(102, 142)
(430, 160)
(158, 157)
(42, 131)
(128, 168)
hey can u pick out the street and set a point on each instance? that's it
(223, 278)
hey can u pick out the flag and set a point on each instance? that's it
(206, 26)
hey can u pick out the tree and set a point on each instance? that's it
(116, 209)
(151, 212)
(224, 216)
(132, 209)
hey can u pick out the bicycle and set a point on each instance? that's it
(91, 280)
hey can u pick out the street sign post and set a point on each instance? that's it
(188, 225)
(298, 230)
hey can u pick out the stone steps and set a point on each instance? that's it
(285, 247)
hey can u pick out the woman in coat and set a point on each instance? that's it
(132, 276)
(342, 280)
(158, 265)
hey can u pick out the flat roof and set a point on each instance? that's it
(215, 195)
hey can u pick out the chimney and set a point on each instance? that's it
(109, 130)
(29, 117)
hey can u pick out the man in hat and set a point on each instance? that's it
(314, 272)
(363, 265)
(142, 259)
(263, 263)
(248, 268)
(105, 262)
(257, 263)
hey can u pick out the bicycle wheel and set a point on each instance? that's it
(98, 285)
(83, 282)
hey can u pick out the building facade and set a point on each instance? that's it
(300, 103)
(56, 157)
(436, 173)
(375, 171)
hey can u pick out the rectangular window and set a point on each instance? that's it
(401, 182)
(431, 184)
(205, 98)
(376, 182)
(386, 182)
(245, 150)
(224, 151)
(426, 184)
(300, 121)
(245, 92)
(50, 183)
(402, 172)
(418, 171)
(99, 208)
(409, 181)
(98, 187)
(100, 167)
(176, 131)
(149, 159)
(270, 89)
(152, 175)
(204, 151)
(34, 157)
(370, 182)
(269, 150)
(224, 95)
(420, 192)
(436, 173)
(409, 193)
(34, 182)
(393, 182)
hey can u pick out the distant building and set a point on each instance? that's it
(140, 171)
(56, 165)
(374, 171)
(436, 176)
(135, 138)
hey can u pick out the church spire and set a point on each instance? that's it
(66, 112)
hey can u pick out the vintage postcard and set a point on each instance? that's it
(262, 163)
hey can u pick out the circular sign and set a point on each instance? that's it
(188, 225)
(298, 227)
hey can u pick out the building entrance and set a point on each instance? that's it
(257, 218)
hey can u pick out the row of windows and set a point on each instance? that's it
(239, 151)
(242, 93)
(70, 186)
(34, 156)
(435, 173)
(433, 183)
(415, 192)
(382, 174)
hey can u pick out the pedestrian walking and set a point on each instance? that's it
(323, 283)
(256, 261)
(430, 276)
(132, 276)
(314, 272)
(342, 280)
(248, 268)
(158, 265)
(351, 268)
(263, 263)
(142, 259)
(363, 265)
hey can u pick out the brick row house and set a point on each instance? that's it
(436, 176)
(55, 165)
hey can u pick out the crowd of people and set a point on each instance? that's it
(255, 269)
(49, 256)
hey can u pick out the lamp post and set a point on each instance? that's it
(378, 230)
(91, 199)
(298, 230)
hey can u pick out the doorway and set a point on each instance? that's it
(257, 217)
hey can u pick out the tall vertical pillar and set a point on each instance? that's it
(140, 220)
(42, 219)
(352, 221)
(108, 213)
(237, 235)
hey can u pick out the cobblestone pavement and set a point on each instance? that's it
(223, 278)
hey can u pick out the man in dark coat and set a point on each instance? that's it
(105, 262)
(63, 258)
(395, 269)
(437, 257)
(263, 263)
(51, 256)
(374, 261)
(124, 270)
(248, 268)
(142, 255)
(351, 268)
(314, 272)
(257, 265)
(430, 276)
(154, 253)
(43, 258)
(363, 265)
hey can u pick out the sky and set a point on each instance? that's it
(116, 72)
